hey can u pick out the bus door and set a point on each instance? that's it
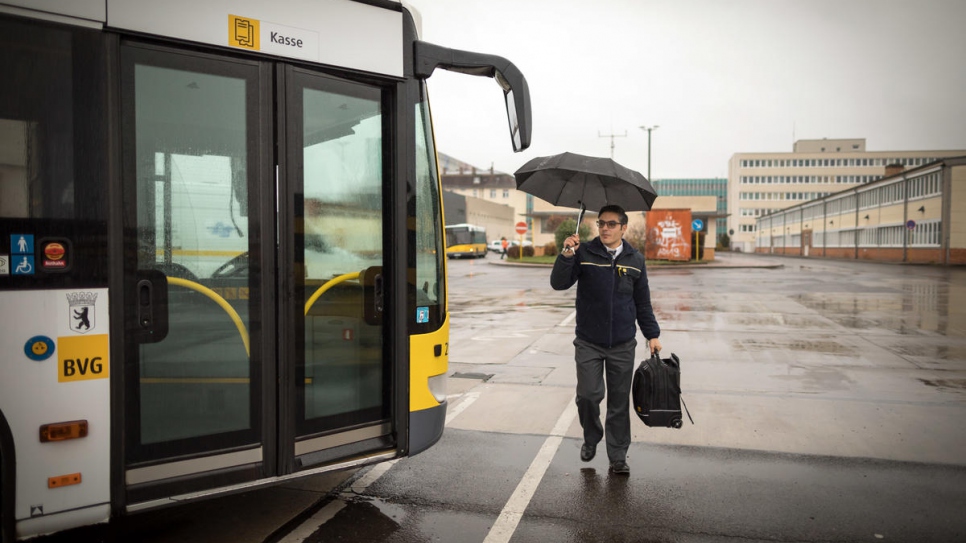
(254, 247)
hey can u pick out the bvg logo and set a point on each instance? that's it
(82, 358)
(243, 32)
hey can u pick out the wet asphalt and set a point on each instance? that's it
(829, 401)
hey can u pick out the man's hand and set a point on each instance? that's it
(655, 345)
(570, 245)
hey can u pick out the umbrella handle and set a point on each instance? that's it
(580, 217)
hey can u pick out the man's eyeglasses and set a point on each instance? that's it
(608, 224)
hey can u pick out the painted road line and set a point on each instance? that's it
(357, 488)
(512, 512)
(307, 528)
(570, 318)
(468, 400)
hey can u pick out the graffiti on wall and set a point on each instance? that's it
(669, 234)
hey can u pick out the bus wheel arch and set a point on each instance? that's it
(8, 483)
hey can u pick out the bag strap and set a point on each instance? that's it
(686, 409)
(677, 364)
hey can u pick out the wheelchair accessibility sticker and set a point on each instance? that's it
(21, 254)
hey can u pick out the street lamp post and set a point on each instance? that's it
(649, 128)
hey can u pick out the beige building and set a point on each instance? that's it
(914, 215)
(490, 185)
(497, 219)
(764, 183)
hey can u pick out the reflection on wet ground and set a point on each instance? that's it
(792, 344)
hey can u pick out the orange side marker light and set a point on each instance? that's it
(62, 431)
(64, 480)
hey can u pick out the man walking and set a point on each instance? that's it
(612, 294)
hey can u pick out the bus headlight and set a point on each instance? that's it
(437, 386)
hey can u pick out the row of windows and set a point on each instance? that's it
(925, 186)
(493, 192)
(926, 234)
(841, 205)
(887, 195)
(920, 187)
(839, 238)
(803, 196)
(756, 212)
(691, 191)
(834, 162)
(812, 212)
(807, 179)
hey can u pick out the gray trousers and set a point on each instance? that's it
(617, 364)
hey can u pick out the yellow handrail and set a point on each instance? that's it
(218, 300)
(326, 286)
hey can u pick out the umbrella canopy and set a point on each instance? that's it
(578, 181)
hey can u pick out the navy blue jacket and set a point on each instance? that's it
(611, 294)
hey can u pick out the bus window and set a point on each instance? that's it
(342, 216)
(425, 210)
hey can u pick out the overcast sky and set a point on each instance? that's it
(718, 76)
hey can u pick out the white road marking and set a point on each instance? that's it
(313, 523)
(512, 512)
(307, 528)
(570, 318)
(468, 400)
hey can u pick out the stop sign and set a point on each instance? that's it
(521, 228)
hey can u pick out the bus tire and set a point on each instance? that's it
(8, 483)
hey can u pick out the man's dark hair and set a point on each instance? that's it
(622, 216)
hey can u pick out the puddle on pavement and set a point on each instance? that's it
(818, 378)
(820, 346)
(945, 384)
(374, 519)
(930, 351)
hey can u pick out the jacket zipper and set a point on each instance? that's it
(613, 294)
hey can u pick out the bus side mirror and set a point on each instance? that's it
(516, 92)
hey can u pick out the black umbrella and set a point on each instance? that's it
(584, 182)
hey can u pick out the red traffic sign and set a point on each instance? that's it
(521, 228)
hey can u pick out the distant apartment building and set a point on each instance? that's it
(763, 183)
(496, 187)
(715, 186)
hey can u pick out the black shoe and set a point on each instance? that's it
(587, 452)
(620, 468)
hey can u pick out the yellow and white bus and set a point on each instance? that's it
(221, 248)
(465, 240)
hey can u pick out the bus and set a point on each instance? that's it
(465, 240)
(221, 248)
